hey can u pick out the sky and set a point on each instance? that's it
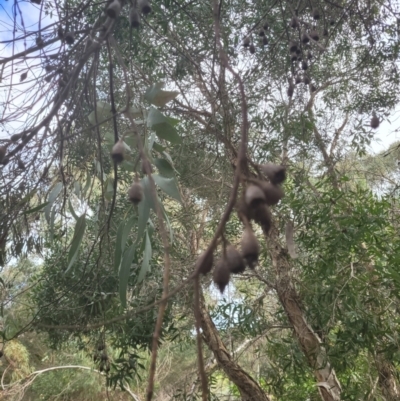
(28, 14)
(387, 133)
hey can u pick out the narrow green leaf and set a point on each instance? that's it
(171, 233)
(103, 113)
(127, 229)
(52, 197)
(168, 185)
(124, 273)
(164, 167)
(77, 188)
(144, 214)
(37, 208)
(118, 245)
(76, 241)
(52, 220)
(88, 182)
(148, 193)
(109, 188)
(146, 259)
(71, 209)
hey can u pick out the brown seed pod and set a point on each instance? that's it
(101, 367)
(374, 121)
(23, 76)
(202, 265)
(266, 26)
(261, 32)
(309, 55)
(293, 46)
(262, 215)
(145, 6)
(304, 38)
(118, 152)
(100, 346)
(264, 40)
(69, 37)
(276, 173)
(250, 247)
(273, 193)
(3, 151)
(290, 90)
(254, 195)
(134, 18)
(221, 275)
(293, 57)
(108, 367)
(39, 42)
(15, 137)
(5, 161)
(298, 51)
(252, 48)
(113, 9)
(60, 33)
(48, 78)
(246, 42)
(1, 353)
(234, 260)
(49, 68)
(325, 33)
(104, 357)
(95, 357)
(294, 23)
(313, 88)
(314, 35)
(298, 80)
(36, 2)
(135, 192)
(304, 65)
(21, 164)
(306, 80)
(315, 14)
(332, 22)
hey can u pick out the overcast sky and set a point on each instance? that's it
(387, 133)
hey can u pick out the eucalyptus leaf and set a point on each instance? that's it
(160, 124)
(168, 185)
(164, 167)
(144, 214)
(103, 113)
(52, 197)
(155, 95)
(37, 208)
(124, 273)
(71, 209)
(146, 259)
(80, 227)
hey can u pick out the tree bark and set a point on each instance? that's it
(386, 379)
(249, 389)
(327, 382)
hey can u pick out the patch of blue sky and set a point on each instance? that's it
(20, 22)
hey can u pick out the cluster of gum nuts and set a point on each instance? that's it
(257, 197)
(135, 192)
(101, 357)
(142, 6)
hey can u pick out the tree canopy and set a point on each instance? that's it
(190, 206)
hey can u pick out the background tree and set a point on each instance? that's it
(302, 85)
